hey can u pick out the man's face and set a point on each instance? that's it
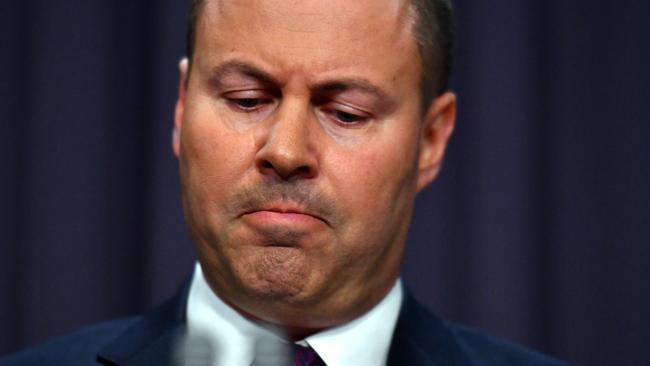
(301, 147)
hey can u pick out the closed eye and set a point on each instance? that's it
(248, 104)
(346, 116)
(247, 101)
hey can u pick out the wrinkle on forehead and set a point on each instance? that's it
(304, 17)
(308, 39)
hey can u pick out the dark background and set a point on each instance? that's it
(537, 230)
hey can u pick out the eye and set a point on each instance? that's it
(346, 116)
(247, 101)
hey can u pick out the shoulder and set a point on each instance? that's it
(421, 338)
(492, 350)
(78, 348)
(142, 340)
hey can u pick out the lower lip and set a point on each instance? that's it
(274, 218)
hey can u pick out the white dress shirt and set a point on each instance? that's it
(363, 341)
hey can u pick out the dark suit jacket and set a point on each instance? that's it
(420, 338)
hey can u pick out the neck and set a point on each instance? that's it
(290, 333)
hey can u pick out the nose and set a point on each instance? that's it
(287, 150)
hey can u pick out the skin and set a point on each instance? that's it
(301, 147)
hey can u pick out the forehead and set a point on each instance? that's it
(310, 37)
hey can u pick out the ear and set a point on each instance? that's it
(180, 106)
(437, 127)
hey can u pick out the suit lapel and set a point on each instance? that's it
(151, 339)
(420, 339)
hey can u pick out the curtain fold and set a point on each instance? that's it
(537, 229)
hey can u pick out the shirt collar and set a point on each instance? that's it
(230, 336)
(363, 341)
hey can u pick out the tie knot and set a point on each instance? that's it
(306, 356)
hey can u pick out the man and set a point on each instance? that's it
(304, 131)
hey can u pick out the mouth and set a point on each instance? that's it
(284, 214)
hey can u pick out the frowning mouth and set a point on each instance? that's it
(283, 215)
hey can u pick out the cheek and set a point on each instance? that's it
(213, 160)
(376, 184)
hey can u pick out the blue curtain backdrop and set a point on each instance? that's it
(537, 230)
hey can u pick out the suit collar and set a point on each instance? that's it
(421, 338)
(151, 338)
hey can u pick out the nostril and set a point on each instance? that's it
(266, 167)
(303, 171)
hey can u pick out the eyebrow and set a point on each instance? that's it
(240, 67)
(354, 84)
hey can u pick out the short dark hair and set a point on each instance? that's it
(434, 31)
(434, 34)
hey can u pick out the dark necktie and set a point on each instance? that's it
(306, 356)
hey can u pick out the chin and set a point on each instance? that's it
(274, 273)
